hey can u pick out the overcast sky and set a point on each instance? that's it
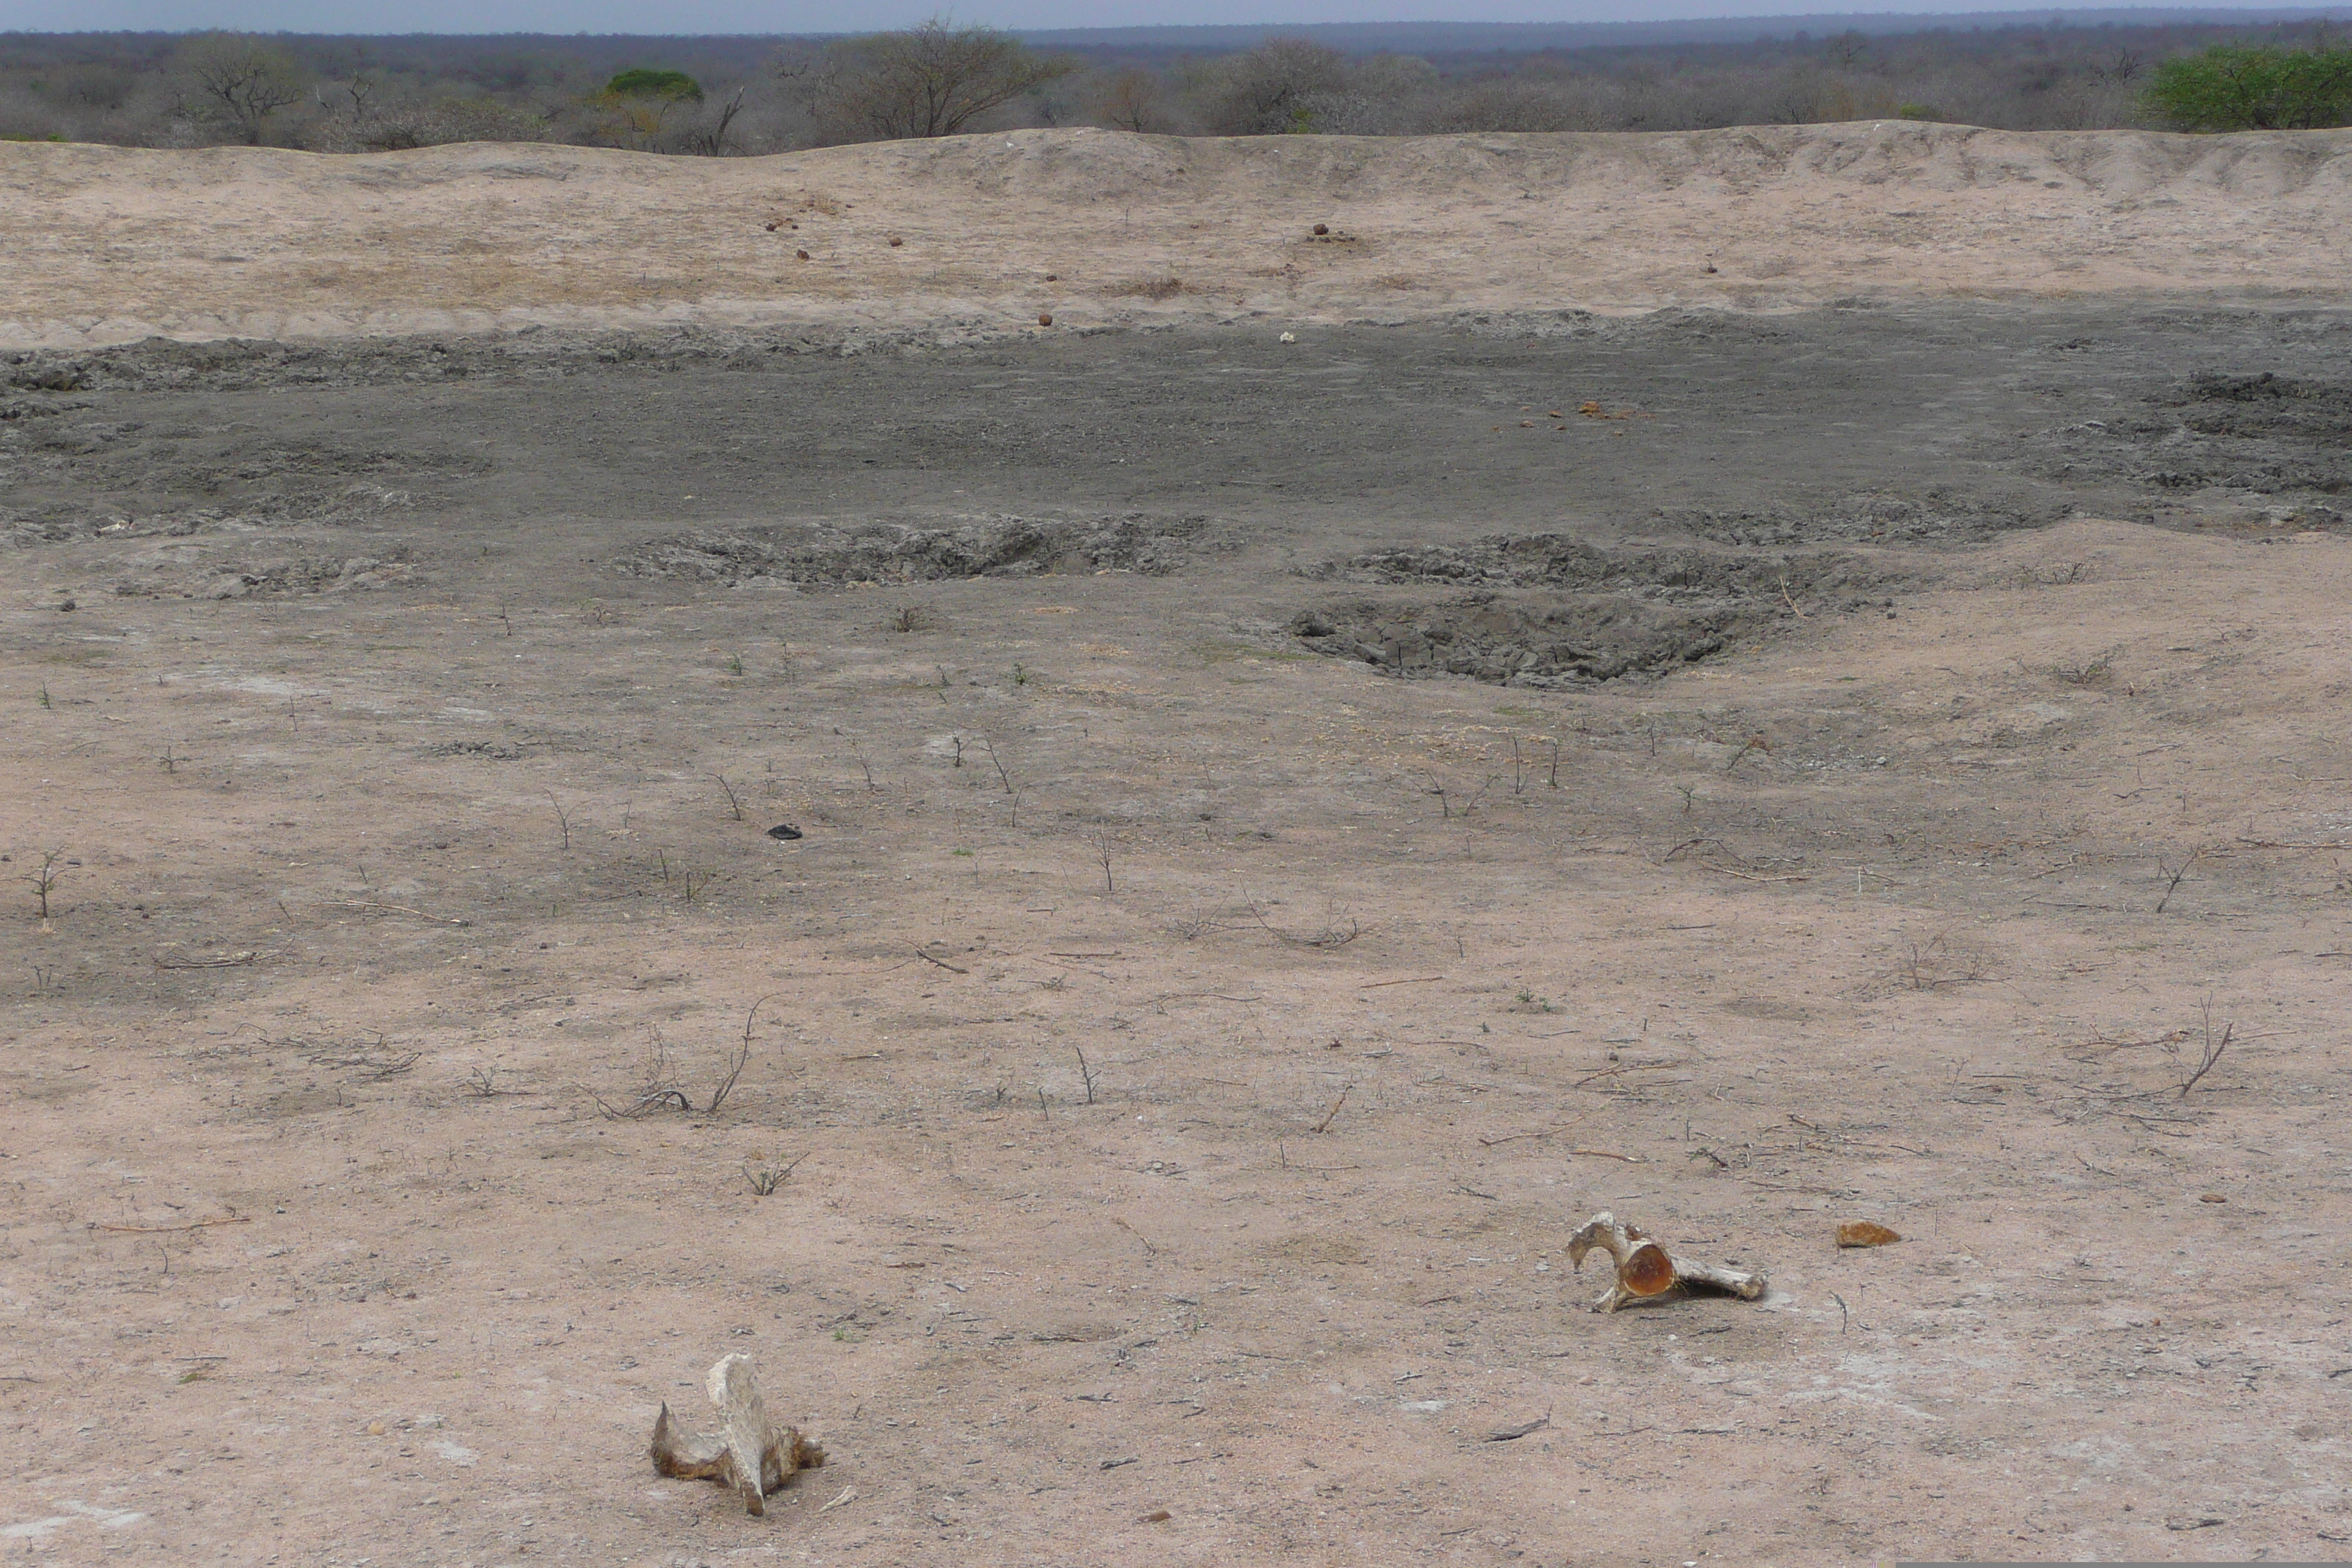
(849, 16)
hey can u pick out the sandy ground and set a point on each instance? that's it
(1290, 831)
(1093, 227)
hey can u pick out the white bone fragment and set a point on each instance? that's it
(1646, 1272)
(746, 1454)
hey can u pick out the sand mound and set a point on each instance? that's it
(1097, 228)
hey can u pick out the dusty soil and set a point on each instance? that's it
(978, 236)
(1858, 771)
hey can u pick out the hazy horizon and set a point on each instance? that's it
(693, 17)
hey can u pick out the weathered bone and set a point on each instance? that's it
(1645, 1272)
(746, 1454)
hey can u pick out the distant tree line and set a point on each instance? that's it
(719, 96)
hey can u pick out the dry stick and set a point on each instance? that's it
(2193, 857)
(1149, 1250)
(393, 910)
(564, 820)
(1285, 1154)
(1102, 853)
(1420, 980)
(1748, 876)
(240, 958)
(1335, 1109)
(1630, 1067)
(234, 1218)
(735, 805)
(1086, 1075)
(1514, 1137)
(1605, 1154)
(2213, 1053)
(943, 963)
(735, 1069)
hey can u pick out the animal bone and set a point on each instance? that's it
(746, 1454)
(1645, 1272)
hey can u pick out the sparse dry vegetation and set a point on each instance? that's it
(761, 94)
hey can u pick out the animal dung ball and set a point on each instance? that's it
(1045, 320)
(772, 228)
(800, 254)
(1711, 266)
(783, 832)
(1322, 228)
(896, 242)
(1866, 1233)
(1053, 277)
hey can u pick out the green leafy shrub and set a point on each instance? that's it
(2235, 86)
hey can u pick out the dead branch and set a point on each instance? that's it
(209, 962)
(231, 1217)
(391, 910)
(943, 963)
(2213, 1049)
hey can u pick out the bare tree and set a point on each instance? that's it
(711, 142)
(1130, 102)
(933, 80)
(1275, 88)
(245, 81)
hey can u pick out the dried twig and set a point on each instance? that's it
(393, 910)
(207, 963)
(1514, 1137)
(2213, 1049)
(1334, 1112)
(943, 963)
(233, 1217)
(735, 1062)
(2194, 856)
